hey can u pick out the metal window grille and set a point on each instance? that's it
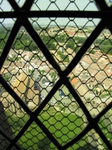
(55, 74)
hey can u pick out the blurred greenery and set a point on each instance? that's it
(25, 42)
(59, 124)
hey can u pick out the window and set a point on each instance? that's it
(68, 43)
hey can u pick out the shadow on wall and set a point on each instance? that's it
(5, 128)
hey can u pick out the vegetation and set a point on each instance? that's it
(62, 38)
(53, 76)
(106, 93)
(24, 41)
(80, 40)
(34, 138)
(64, 58)
(71, 44)
(107, 130)
(104, 45)
(56, 123)
(50, 43)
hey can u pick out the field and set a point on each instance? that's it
(64, 127)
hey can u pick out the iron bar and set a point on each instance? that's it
(66, 14)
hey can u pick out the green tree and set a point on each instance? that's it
(51, 45)
(53, 76)
(80, 40)
(65, 58)
(33, 47)
(71, 44)
(61, 38)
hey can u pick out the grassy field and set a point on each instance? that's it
(64, 127)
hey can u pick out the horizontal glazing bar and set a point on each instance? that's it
(80, 14)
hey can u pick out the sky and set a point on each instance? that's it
(62, 4)
(55, 5)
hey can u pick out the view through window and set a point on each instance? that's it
(55, 75)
